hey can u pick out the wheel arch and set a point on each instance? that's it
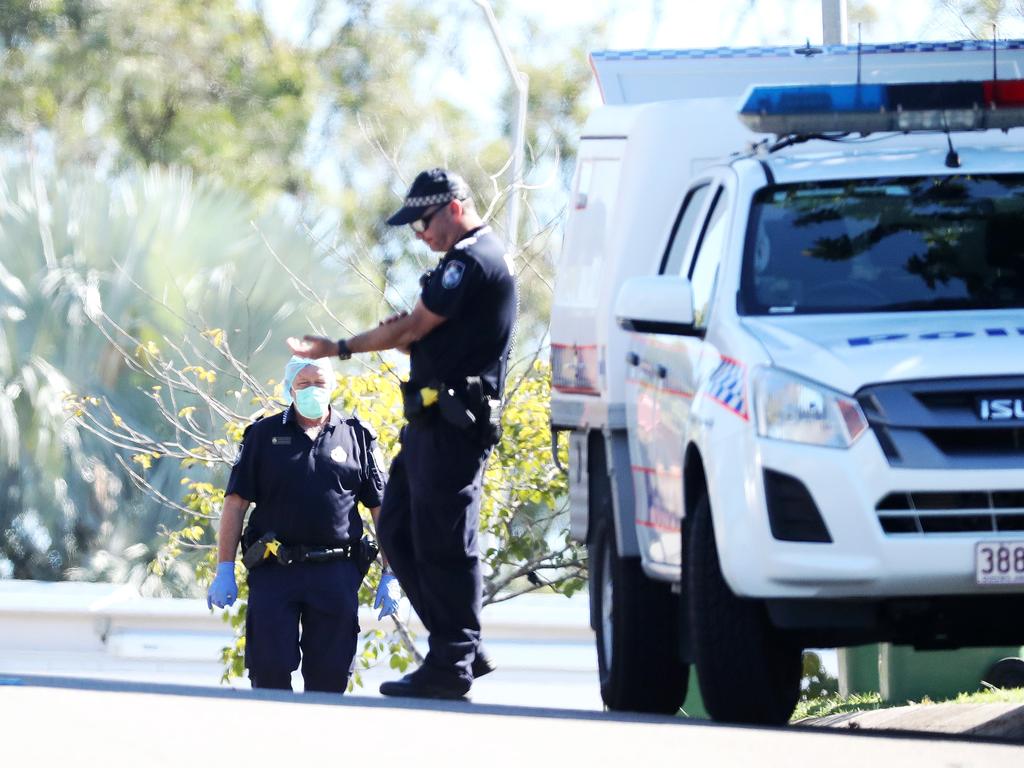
(695, 482)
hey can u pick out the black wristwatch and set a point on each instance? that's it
(343, 351)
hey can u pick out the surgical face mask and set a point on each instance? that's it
(312, 402)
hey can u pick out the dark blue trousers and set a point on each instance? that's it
(428, 530)
(307, 612)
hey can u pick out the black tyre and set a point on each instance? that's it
(748, 671)
(637, 632)
(1006, 673)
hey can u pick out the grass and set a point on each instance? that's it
(834, 705)
(861, 702)
(994, 696)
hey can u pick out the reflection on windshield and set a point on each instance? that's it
(886, 245)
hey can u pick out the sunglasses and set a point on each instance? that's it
(423, 223)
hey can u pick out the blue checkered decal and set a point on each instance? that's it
(757, 52)
(728, 386)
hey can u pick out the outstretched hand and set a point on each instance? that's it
(313, 346)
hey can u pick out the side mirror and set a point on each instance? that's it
(656, 304)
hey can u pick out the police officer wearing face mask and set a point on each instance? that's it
(305, 469)
(459, 336)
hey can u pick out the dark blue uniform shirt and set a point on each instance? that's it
(474, 288)
(306, 490)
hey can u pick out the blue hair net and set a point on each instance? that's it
(296, 364)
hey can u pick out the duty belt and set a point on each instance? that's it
(267, 547)
(464, 405)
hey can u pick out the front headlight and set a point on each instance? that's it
(788, 407)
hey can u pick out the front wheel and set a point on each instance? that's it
(749, 671)
(637, 636)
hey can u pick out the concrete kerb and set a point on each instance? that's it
(998, 721)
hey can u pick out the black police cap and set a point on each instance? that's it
(430, 188)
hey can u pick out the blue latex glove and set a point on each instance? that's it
(388, 595)
(223, 590)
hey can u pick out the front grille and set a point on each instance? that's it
(906, 512)
(937, 424)
(978, 442)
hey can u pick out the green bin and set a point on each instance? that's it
(909, 675)
(858, 669)
(694, 704)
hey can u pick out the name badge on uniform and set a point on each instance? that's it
(338, 454)
(281, 440)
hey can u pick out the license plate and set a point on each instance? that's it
(999, 562)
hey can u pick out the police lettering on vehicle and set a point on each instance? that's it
(863, 341)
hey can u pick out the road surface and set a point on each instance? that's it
(54, 721)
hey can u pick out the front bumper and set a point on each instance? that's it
(862, 560)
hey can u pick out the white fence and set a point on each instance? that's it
(111, 632)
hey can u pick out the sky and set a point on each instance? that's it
(636, 24)
(703, 24)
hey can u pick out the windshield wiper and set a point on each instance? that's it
(933, 304)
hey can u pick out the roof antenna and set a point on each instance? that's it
(808, 50)
(952, 157)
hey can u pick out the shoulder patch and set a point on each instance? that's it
(452, 274)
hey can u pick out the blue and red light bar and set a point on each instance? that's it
(871, 108)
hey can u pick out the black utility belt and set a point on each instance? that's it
(267, 549)
(463, 404)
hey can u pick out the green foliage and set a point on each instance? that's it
(835, 705)
(817, 682)
(993, 696)
(523, 519)
(202, 85)
(83, 263)
(141, 287)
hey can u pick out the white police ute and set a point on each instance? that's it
(800, 422)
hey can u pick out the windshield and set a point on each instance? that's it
(886, 245)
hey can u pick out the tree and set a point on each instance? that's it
(76, 243)
(200, 85)
(163, 120)
(978, 19)
(523, 520)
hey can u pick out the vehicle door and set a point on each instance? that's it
(659, 391)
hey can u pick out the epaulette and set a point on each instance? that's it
(468, 241)
(364, 424)
(262, 416)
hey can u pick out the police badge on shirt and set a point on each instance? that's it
(452, 274)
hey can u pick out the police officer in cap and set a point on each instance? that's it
(305, 468)
(459, 337)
